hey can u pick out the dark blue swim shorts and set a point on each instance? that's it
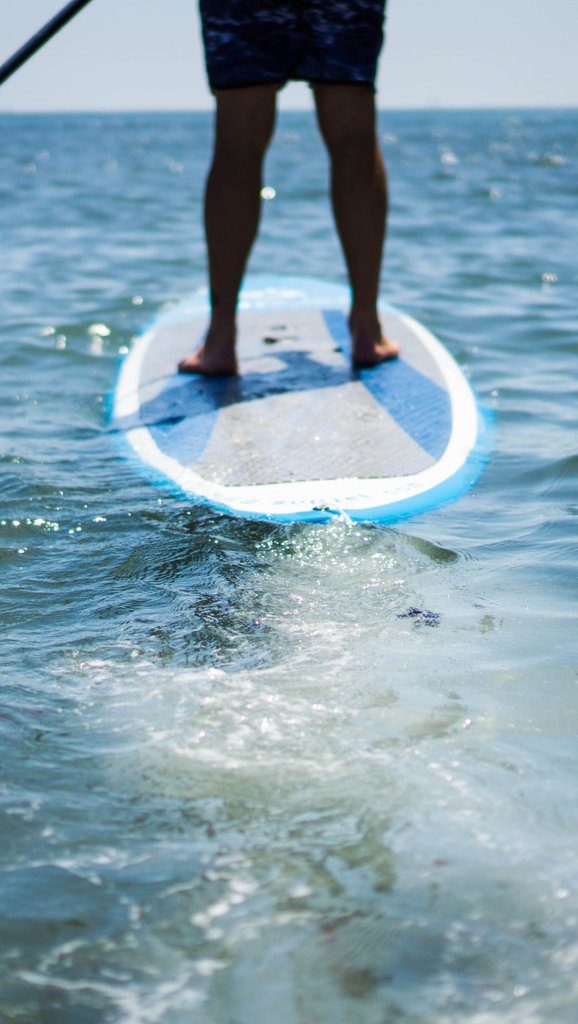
(260, 42)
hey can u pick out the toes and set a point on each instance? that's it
(191, 365)
(198, 366)
(380, 354)
(391, 352)
(186, 366)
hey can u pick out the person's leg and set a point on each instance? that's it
(346, 116)
(244, 125)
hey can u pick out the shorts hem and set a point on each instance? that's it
(339, 81)
(226, 87)
(280, 83)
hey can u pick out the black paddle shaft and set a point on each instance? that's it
(40, 38)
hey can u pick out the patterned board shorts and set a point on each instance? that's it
(259, 42)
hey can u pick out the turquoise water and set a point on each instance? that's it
(239, 783)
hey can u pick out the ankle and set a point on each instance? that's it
(223, 319)
(221, 337)
(363, 315)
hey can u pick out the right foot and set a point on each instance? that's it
(216, 357)
(369, 344)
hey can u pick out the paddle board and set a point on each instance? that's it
(299, 434)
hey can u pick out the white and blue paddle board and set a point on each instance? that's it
(299, 435)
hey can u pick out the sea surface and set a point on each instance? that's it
(241, 782)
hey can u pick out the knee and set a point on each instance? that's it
(341, 137)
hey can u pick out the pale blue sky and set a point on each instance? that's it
(146, 54)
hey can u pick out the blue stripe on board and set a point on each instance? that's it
(180, 442)
(338, 328)
(419, 406)
(182, 418)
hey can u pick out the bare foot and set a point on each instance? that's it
(216, 357)
(369, 344)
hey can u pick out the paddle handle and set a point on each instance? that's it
(40, 38)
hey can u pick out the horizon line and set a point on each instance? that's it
(437, 107)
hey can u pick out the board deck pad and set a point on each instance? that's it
(299, 433)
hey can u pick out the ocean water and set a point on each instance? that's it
(239, 784)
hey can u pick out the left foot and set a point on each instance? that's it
(216, 357)
(369, 344)
(210, 364)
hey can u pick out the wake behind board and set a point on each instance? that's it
(299, 434)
